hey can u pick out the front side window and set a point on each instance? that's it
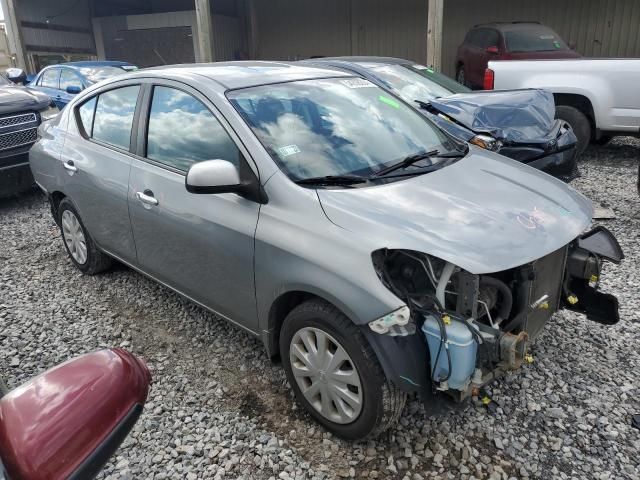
(183, 131)
(410, 84)
(68, 78)
(50, 78)
(114, 116)
(335, 126)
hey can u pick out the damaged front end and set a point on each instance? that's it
(519, 124)
(460, 330)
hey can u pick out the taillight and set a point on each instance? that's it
(489, 78)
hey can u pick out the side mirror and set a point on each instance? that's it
(493, 50)
(573, 45)
(68, 421)
(73, 89)
(16, 75)
(222, 176)
(213, 176)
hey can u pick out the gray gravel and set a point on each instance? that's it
(219, 409)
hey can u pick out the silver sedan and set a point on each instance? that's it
(374, 254)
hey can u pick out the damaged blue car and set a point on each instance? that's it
(518, 124)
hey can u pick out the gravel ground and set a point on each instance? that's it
(219, 409)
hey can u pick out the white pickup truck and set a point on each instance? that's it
(599, 98)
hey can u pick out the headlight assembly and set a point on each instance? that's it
(487, 142)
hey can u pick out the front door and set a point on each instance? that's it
(201, 245)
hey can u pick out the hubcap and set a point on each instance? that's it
(326, 375)
(74, 237)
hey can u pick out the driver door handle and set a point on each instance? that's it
(68, 165)
(147, 197)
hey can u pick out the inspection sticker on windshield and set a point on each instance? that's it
(357, 83)
(288, 150)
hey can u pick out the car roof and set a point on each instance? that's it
(365, 59)
(95, 63)
(242, 74)
(510, 26)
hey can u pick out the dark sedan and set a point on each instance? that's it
(519, 124)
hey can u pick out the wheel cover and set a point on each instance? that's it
(74, 237)
(326, 375)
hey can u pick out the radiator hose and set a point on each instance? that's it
(505, 293)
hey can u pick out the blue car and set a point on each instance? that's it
(65, 80)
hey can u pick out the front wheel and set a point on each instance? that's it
(578, 122)
(335, 374)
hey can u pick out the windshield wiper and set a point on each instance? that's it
(332, 180)
(411, 159)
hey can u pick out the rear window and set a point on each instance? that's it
(534, 39)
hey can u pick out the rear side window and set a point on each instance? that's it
(86, 111)
(114, 116)
(50, 78)
(183, 131)
(68, 78)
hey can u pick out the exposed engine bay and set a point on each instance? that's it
(477, 327)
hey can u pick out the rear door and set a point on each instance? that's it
(478, 55)
(97, 163)
(201, 245)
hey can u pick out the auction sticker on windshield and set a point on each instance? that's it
(357, 83)
(288, 150)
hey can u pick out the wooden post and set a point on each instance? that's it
(205, 30)
(434, 34)
(14, 35)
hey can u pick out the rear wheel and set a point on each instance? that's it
(79, 244)
(579, 123)
(335, 374)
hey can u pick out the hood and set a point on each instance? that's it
(485, 213)
(14, 98)
(514, 116)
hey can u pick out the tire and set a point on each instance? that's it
(380, 403)
(461, 78)
(579, 123)
(87, 259)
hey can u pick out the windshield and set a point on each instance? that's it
(96, 74)
(535, 39)
(335, 126)
(417, 82)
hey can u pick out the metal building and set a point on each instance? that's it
(155, 32)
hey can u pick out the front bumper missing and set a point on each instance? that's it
(583, 273)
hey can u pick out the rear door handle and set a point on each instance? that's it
(147, 197)
(68, 165)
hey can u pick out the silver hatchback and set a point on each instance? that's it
(375, 255)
